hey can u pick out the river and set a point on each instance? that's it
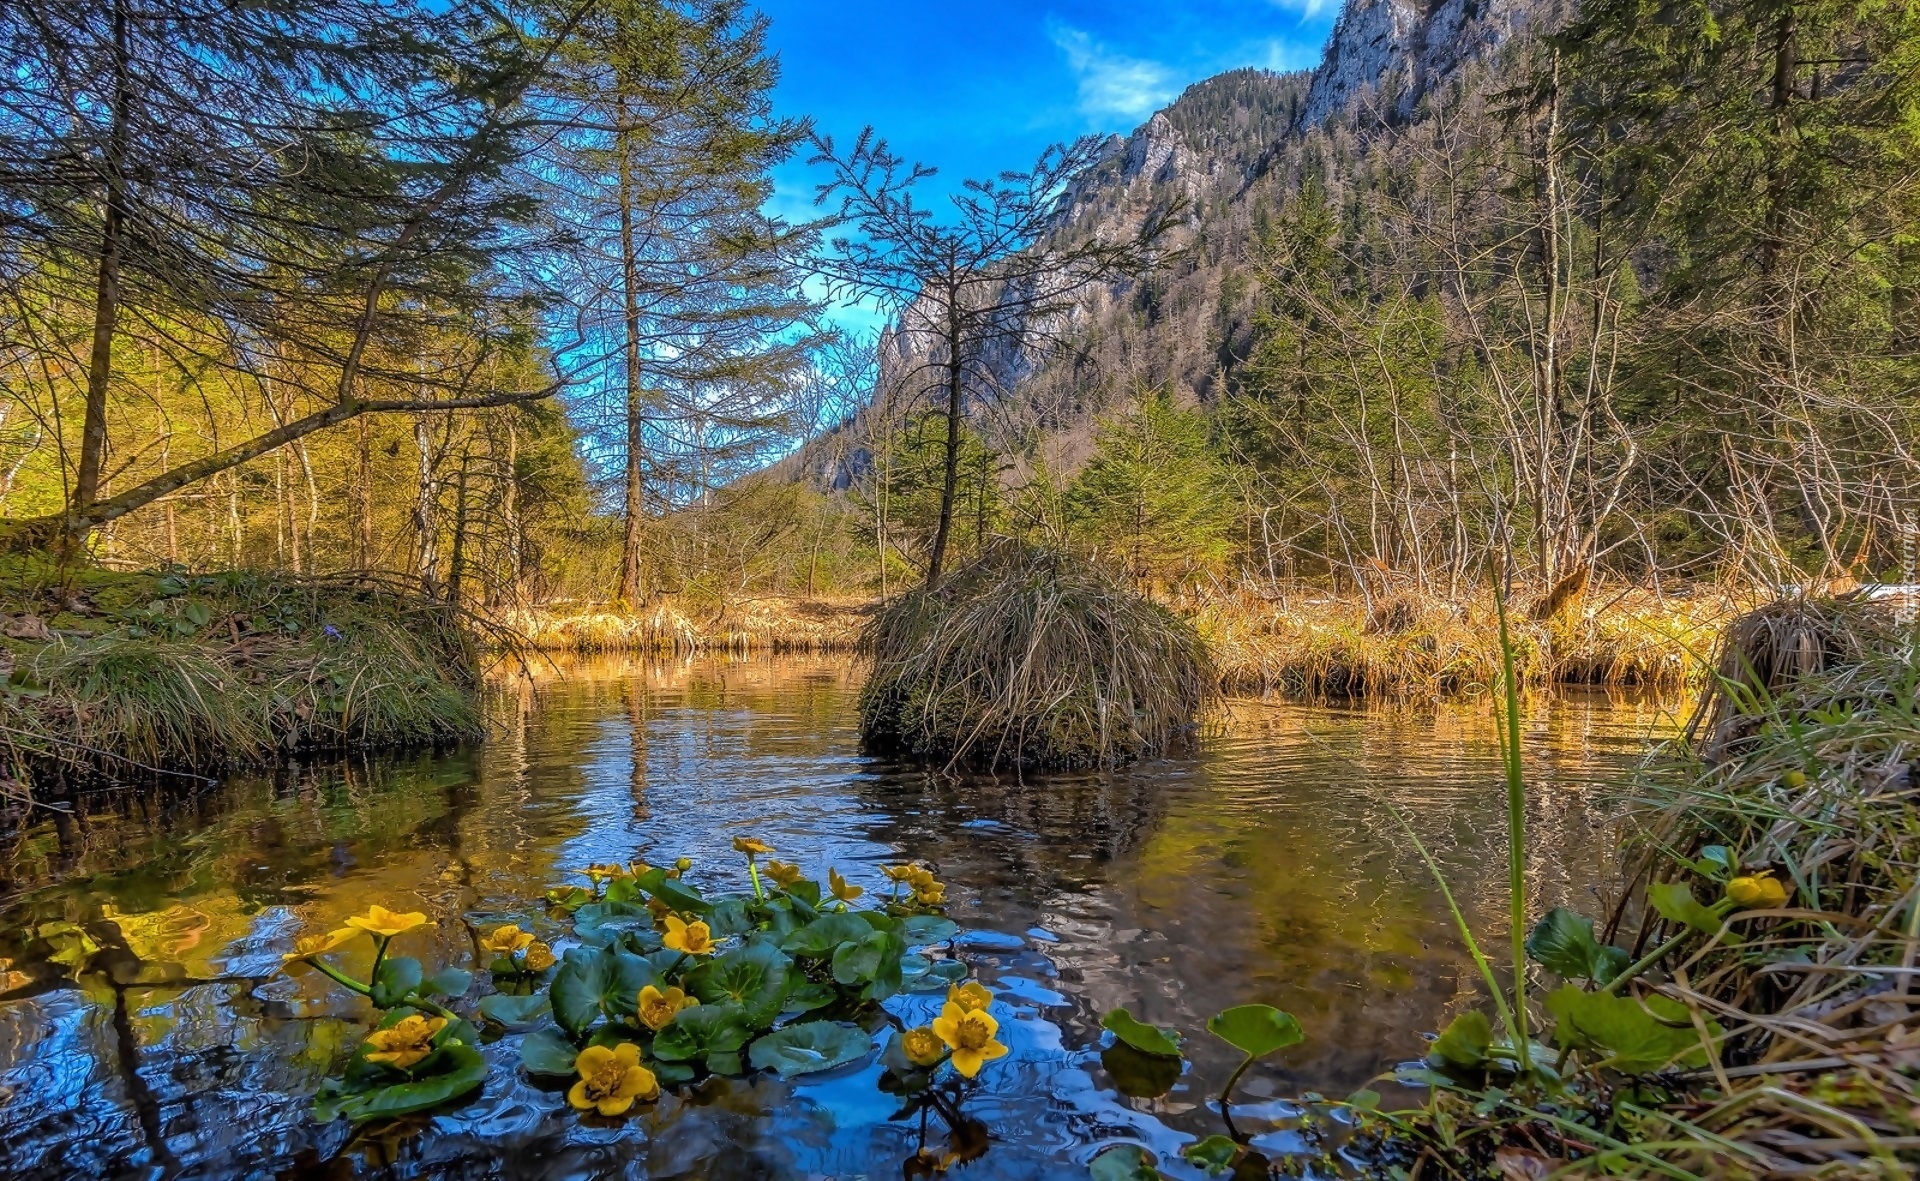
(145, 1032)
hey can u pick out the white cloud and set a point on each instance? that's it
(1113, 84)
(1308, 9)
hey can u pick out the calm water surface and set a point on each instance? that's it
(144, 1032)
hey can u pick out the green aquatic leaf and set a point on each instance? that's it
(1563, 942)
(919, 930)
(1256, 1030)
(864, 962)
(515, 1012)
(1213, 1156)
(452, 982)
(824, 935)
(1716, 862)
(1465, 1042)
(732, 916)
(702, 1031)
(601, 923)
(753, 976)
(1637, 1037)
(1125, 1162)
(1139, 1074)
(675, 893)
(1676, 904)
(1148, 1039)
(398, 976)
(544, 1051)
(577, 988)
(452, 1071)
(810, 1046)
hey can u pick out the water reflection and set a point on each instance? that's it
(142, 1031)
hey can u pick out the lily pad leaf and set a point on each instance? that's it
(1137, 1074)
(457, 1070)
(1214, 1155)
(1676, 904)
(1636, 1037)
(922, 929)
(578, 987)
(702, 1031)
(1125, 1162)
(1256, 1030)
(810, 1046)
(753, 977)
(448, 982)
(515, 1012)
(544, 1051)
(1465, 1041)
(1148, 1039)
(1564, 942)
(398, 976)
(826, 933)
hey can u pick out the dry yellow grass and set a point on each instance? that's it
(750, 625)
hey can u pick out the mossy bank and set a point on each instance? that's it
(109, 675)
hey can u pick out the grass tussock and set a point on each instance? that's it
(1032, 658)
(118, 674)
(774, 625)
(1411, 646)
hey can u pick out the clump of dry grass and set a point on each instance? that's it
(1033, 658)
(777, 625)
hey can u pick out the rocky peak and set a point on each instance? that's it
(1398, 50)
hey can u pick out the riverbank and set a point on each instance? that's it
(132, 674)
(1746, 1007)
(774, 624)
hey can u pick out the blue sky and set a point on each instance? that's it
(976, 88)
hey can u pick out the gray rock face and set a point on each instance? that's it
(1398, 50)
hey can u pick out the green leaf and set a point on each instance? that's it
(1256, 1030)
(578, 987)
(1563, 942)
(732, 916)
(804, 995)
(823, 935)
(1465, 1042)
(452, 982)
(922, 929)
(1716, 862)
(1637, 1037)
(1148, 1039)
(1125, 1162)
(398, 976)
(544, 1051)
(1675, 902)
(515, 1012)
(600, 923)
(701, 1031)
(752, 976)
(725, 1062)
(456, 1070)
(1139, 1074)
(860, 963)
(1214, 1155)
(1364, 1100)
(810, 1046)
(673, 892)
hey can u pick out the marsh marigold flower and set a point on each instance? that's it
(380, 921)
(922, 1046)
(838, 887)
(969, 1033)
(750, 846)
(406, 1041)
(1758, 892)
(933, 895)
(507, 940)
(898, 873)
(538, 957)
(610, 1080)
(921, 878)
(692, 938)
(969, 996)
(658, 1009)
(309, 946)
(783, 874)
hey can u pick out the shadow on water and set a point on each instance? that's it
(144, 1030)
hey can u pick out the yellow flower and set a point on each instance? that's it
(692, 938)
(610, 1080)
(380, 921)
(969, 996)
(681, 866)
(922, 1046)
(898, 873)
(658, 1008)
(837, 886)
(749, 846)
(636, 868)
(969, 1033)
(538, 958)
(309, 946)
(933, 895)
(406, 1041)
(506, 940)
(920, 878)
(603, 871)
(1759, 892)
(783, 874)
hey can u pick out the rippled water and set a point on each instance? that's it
(143, 1031)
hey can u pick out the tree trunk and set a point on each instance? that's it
(363, 498)
(631, 589)
(950, 484)
(106, 302)
(426, 515)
